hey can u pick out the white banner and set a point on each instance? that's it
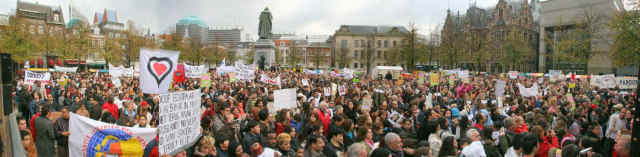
(513, 74)
(463, 74)
(528, 92)
(66, 69)
(194, 71)
(270, 81)
(116, 73)
(225, 69)
(31, 77)
(156, 70)
(555, 75)
(604, 81)
(89, 137)
(246, 73)
(348, 73)
(179, 125)
(284, 99)
(627, 82)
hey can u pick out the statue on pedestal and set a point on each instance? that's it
(264, 27)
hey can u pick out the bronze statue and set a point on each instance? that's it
(264, 27)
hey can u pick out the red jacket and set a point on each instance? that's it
(325, 118)
(545, 146)
(32, 125)
(112, 108)
(522, 128)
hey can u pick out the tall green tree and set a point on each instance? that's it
(626, 46)
(17, 40)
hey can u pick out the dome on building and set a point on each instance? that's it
(191, 20)
(74, 22)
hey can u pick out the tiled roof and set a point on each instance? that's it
(365, 29)
(48, 11)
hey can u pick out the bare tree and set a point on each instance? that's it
(343, 57)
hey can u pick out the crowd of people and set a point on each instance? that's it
(376, 117)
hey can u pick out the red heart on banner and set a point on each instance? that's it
(159, 68)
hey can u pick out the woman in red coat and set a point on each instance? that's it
(324, 116)
(546, 141)
(111, 107)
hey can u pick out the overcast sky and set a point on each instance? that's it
(314, 17)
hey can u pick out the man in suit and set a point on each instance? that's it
(45, 134)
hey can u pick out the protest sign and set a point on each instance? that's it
(194, 71)
(429, 101)
(500, 84)
(555, 75)
(326, 91)
(435, 79)
(245, 73)
(225, 69)
(66, 69)
(89, 137)
(528, 92)
(421, 77)
(232, 76)
(348, 73)
(284, 99)
(627, 82)
(342, 90)
(157, 68)
(305, 82)
(31, 77)
(334, 89)
(513, 74)
(205, 81)
(463, 74)
(179, 122)
(604, 81)
(271, 81)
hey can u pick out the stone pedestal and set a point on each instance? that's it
(265, 47)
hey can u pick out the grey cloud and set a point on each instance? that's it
(300, 16)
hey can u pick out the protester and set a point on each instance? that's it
(391, 115)
(62, 132)
(45, 142)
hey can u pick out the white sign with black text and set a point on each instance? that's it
(179, 125)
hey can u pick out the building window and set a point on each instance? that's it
(379, 54)
(394, 43)
(56, 17)
(369, 43)
(386, 43)
(355, 43)
(361, 65)
(40, 29)
(355, 65)
(344, 43)
(355, 53)
(362, 45)
(379, 43)
(384, 54)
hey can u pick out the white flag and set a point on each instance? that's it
(156, 70)
(93, 138)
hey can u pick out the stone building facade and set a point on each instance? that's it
(471, 33)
